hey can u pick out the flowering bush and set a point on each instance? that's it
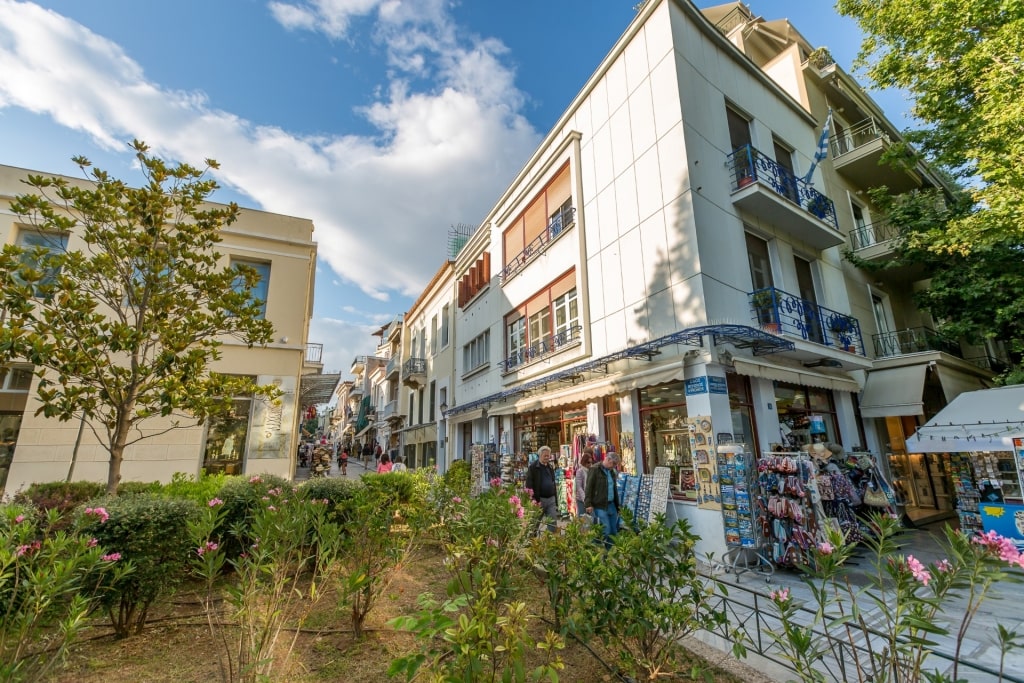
(46, 580)
(910, 599)
(152, 532)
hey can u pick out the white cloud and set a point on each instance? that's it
(343, 341)
(382, 204)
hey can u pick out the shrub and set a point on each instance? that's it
(337, 492)
(407, 492)
(132, 488)
(559, 561)
(61, 496)
(188, 487)
(151, 532)
(242, 495)
(457, 478)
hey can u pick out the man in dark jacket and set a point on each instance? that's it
(540, 478)
(601, 497)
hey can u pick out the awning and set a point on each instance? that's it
(894, 391)
(317, 389)
(366, 429)
(955, 382)
(663, 374)
(985, 420)
(755, 367)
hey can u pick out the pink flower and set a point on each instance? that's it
(19, 519)
(272, 508)
(112, 557)
(92, 543)
(514, 500)
(209, 547)
(98, 512)
(214, 502)
(496, 482)
(255, 479)
(918, 570)
(456, 499)
(825, 548)
(276, 491)
(519, 512)
(943, 566)
(22, 549)
(781, 595)
(493, 542)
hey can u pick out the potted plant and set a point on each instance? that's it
(764, 304)
(842, 329)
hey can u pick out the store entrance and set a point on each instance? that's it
(919, 479)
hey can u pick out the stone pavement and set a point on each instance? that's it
(356, 468)
(750, 606)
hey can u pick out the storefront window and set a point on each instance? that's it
(226, 439)
(666, 437)
(741, 408)
(612, 421)
(806, 415)
(430, 454)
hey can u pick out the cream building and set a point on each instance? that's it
(259, 436)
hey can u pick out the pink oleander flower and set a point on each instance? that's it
(93, 542)
(1001, 546)
(496, 482)
(255, 479)
(112, 557)
(209, 547)
(456, 499)
(98, 512)
(781, 595)
(272, 508)
(514, 500)
(944, 566)
(214, 502)
(276, 491)
(22, 549)
(520, 512)
(265, 498)
(918, 570)
(825, 548)
(493, 542)
(19, 519)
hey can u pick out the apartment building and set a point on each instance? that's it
(258, 436)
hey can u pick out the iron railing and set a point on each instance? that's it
(876, 233)
(913, 340)
(314, 353)
(394, 363)
(781, 311)
(821, 59)
(988, 363)
(856, 136)
(414, 366)
(390, 409)
(747, 165)
(543, 348)
(558, 223)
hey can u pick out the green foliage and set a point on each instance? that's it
(151, 532)
(457, 478)
(123, 324)
(907, 600)
(337, 492)
(646, 594)
(560, 561)
(61, 496)
(960, 62)
(243, 497)
(474, 638)
(291, 554)
(200, 491)
(139, 487)
(46, 578)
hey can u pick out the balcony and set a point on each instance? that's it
(913, 340)
(857, 154)
(390, 410)
(874, 242)
(781, 312)
(414, 372)
(542, 349)
(393, 366)
(765, 188)
(312, 361)
(562, 220)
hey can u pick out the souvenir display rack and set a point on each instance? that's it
(738, 483)
(968, 496)
(786, 513)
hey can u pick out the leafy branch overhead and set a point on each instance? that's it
(125, 303)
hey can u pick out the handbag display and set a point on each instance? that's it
(875, 497)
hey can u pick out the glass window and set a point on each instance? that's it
(760, 262)
(517, 338)
(806, 415)
(433, 336)
(444, 326)
(41, 246)
(261, 290)
(566, 316)
(666, 437)
(739, 128)
(741, 407)
(226, 439)
(540, 328)
(16, 378)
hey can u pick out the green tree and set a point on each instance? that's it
(123, 326)
(960, 60)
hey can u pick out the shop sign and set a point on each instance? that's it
(1005, 520)
(696, 385)
(717, 385)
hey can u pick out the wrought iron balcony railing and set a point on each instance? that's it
(747, 165)
(779, 311)
(856, 136)
(876, 233)
(390, 409)
(414, 366)
(988, 363)
(913, 340)
(543, 348)
(314, 353)
(394, 363)
(559, 222)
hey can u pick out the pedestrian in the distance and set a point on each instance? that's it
(540, 478)
(602, 495)
(385, 464)
(343, 461)
(398, 465)
(579, 488)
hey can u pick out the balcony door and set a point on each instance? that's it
(760, 275)
(811, 318)
(886, 343)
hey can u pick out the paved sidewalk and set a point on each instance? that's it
(356, 468)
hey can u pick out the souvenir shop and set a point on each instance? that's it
(977, 441)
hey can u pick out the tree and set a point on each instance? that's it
(960, 60)
(123, 326)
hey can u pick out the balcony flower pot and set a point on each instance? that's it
(744, 181)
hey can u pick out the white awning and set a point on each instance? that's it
(894, 391)
(755, 367)
(985, 420)
(955, 382)
(607, 386)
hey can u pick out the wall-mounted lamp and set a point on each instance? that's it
(444, 408)
(284, 340)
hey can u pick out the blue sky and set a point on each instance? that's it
(384, 121)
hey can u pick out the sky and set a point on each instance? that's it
(386, 122)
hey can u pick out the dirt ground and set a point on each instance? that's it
(177, 647)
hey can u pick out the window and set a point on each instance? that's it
(15, 378)
(432, 415)
(540, 329)
(476, 353)
(517, 337)
(567, 316)
(261, 290)
(444, 326)
(739, 129)
(759, 262)
(40, 248)
(412, 404)
(806, 415)
(811, 316)
(433, 336)
(666, 437)
(784, 158)
(863, 234)
(226, 438)
(419, 415)
(546, 216)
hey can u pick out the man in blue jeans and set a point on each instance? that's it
(602, 495)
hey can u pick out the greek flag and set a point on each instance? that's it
(822, 151)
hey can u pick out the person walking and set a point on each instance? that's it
(343, 461)
(398, 465)
(540, 479)
(579, 488)
(601, 498)
(385, 464)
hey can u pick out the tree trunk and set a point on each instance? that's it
(114, 469)
(74, 453)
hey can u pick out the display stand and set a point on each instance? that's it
(738, 482)
(788, 507)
